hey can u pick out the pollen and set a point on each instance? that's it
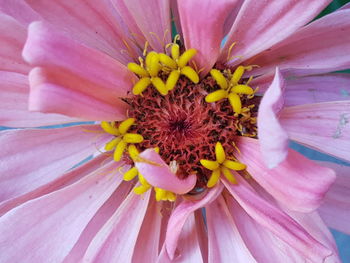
(221, 165)
(230, 88)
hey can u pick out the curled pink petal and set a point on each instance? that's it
(277, 221)
(180, 215)
(158, 174)
(298, 183)
(208, 14)
(273, 139)
(14, 104)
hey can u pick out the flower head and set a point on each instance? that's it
(178, 125)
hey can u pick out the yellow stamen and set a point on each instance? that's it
(220, 153)
(237, 75)
(175, 51)
(141, 189)
(190, 73)
(118, 152)
(186, 57)
(167, 61)
(141, 85)
(107, 127)
(172, 79)
(153, 65)
(133, 152)
(235, 102)
(137, 69)
(211, 165)
(132, 138)
(112, 144)
(160, 193)
(242, 89)
(130, 174)
(214, 178)
(125, 125)
(229, 176)
(219, 78)
(234, 165)
(160, 86)
(216, 96)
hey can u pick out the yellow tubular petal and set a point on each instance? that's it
(156, 149)
(149, 58)
(220, 153)
(211, 165)
(214, 178)
(234, 165)
(219, 78)
(216, 95)
(175, 51)
(171, 196)
(118, 152)
(154, 66)
(141, 85)
(137, 69)
(185, 57)
(160, 193)
(141, 189)
(133, 152)
(111, 144)
(172, 79)
(190, 73)
(132, 138)
(237, 75)
(143, 180)
(235, 102)
(229, 176)
(167, 61)
(160, 86)
(125, 125)
(107, 127)
(131, 174)
(242, 89)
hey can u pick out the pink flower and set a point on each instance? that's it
(191, 139)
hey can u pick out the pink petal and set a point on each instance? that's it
(180, 215)
(46, 229)
(94, 25)
(232, 16)
(208, 14)
(201, 227)
(176, 16)
(323, 126)
(298, 182)
(56, 183)
(32, 158)
(158, 174)
(277, 222)
(147, 244)
(117, 238)
(225, 242)
(14, 104)
(314, 89)
(321, 46)
(273, 139)
(266, 247)
(335, 210)
(75, 79)
(260, 25)
(153, 19)
(19, 10)
(97, 222)
(12, 39)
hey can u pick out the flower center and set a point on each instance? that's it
(192, 123)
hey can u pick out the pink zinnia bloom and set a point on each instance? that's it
(182, 121)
